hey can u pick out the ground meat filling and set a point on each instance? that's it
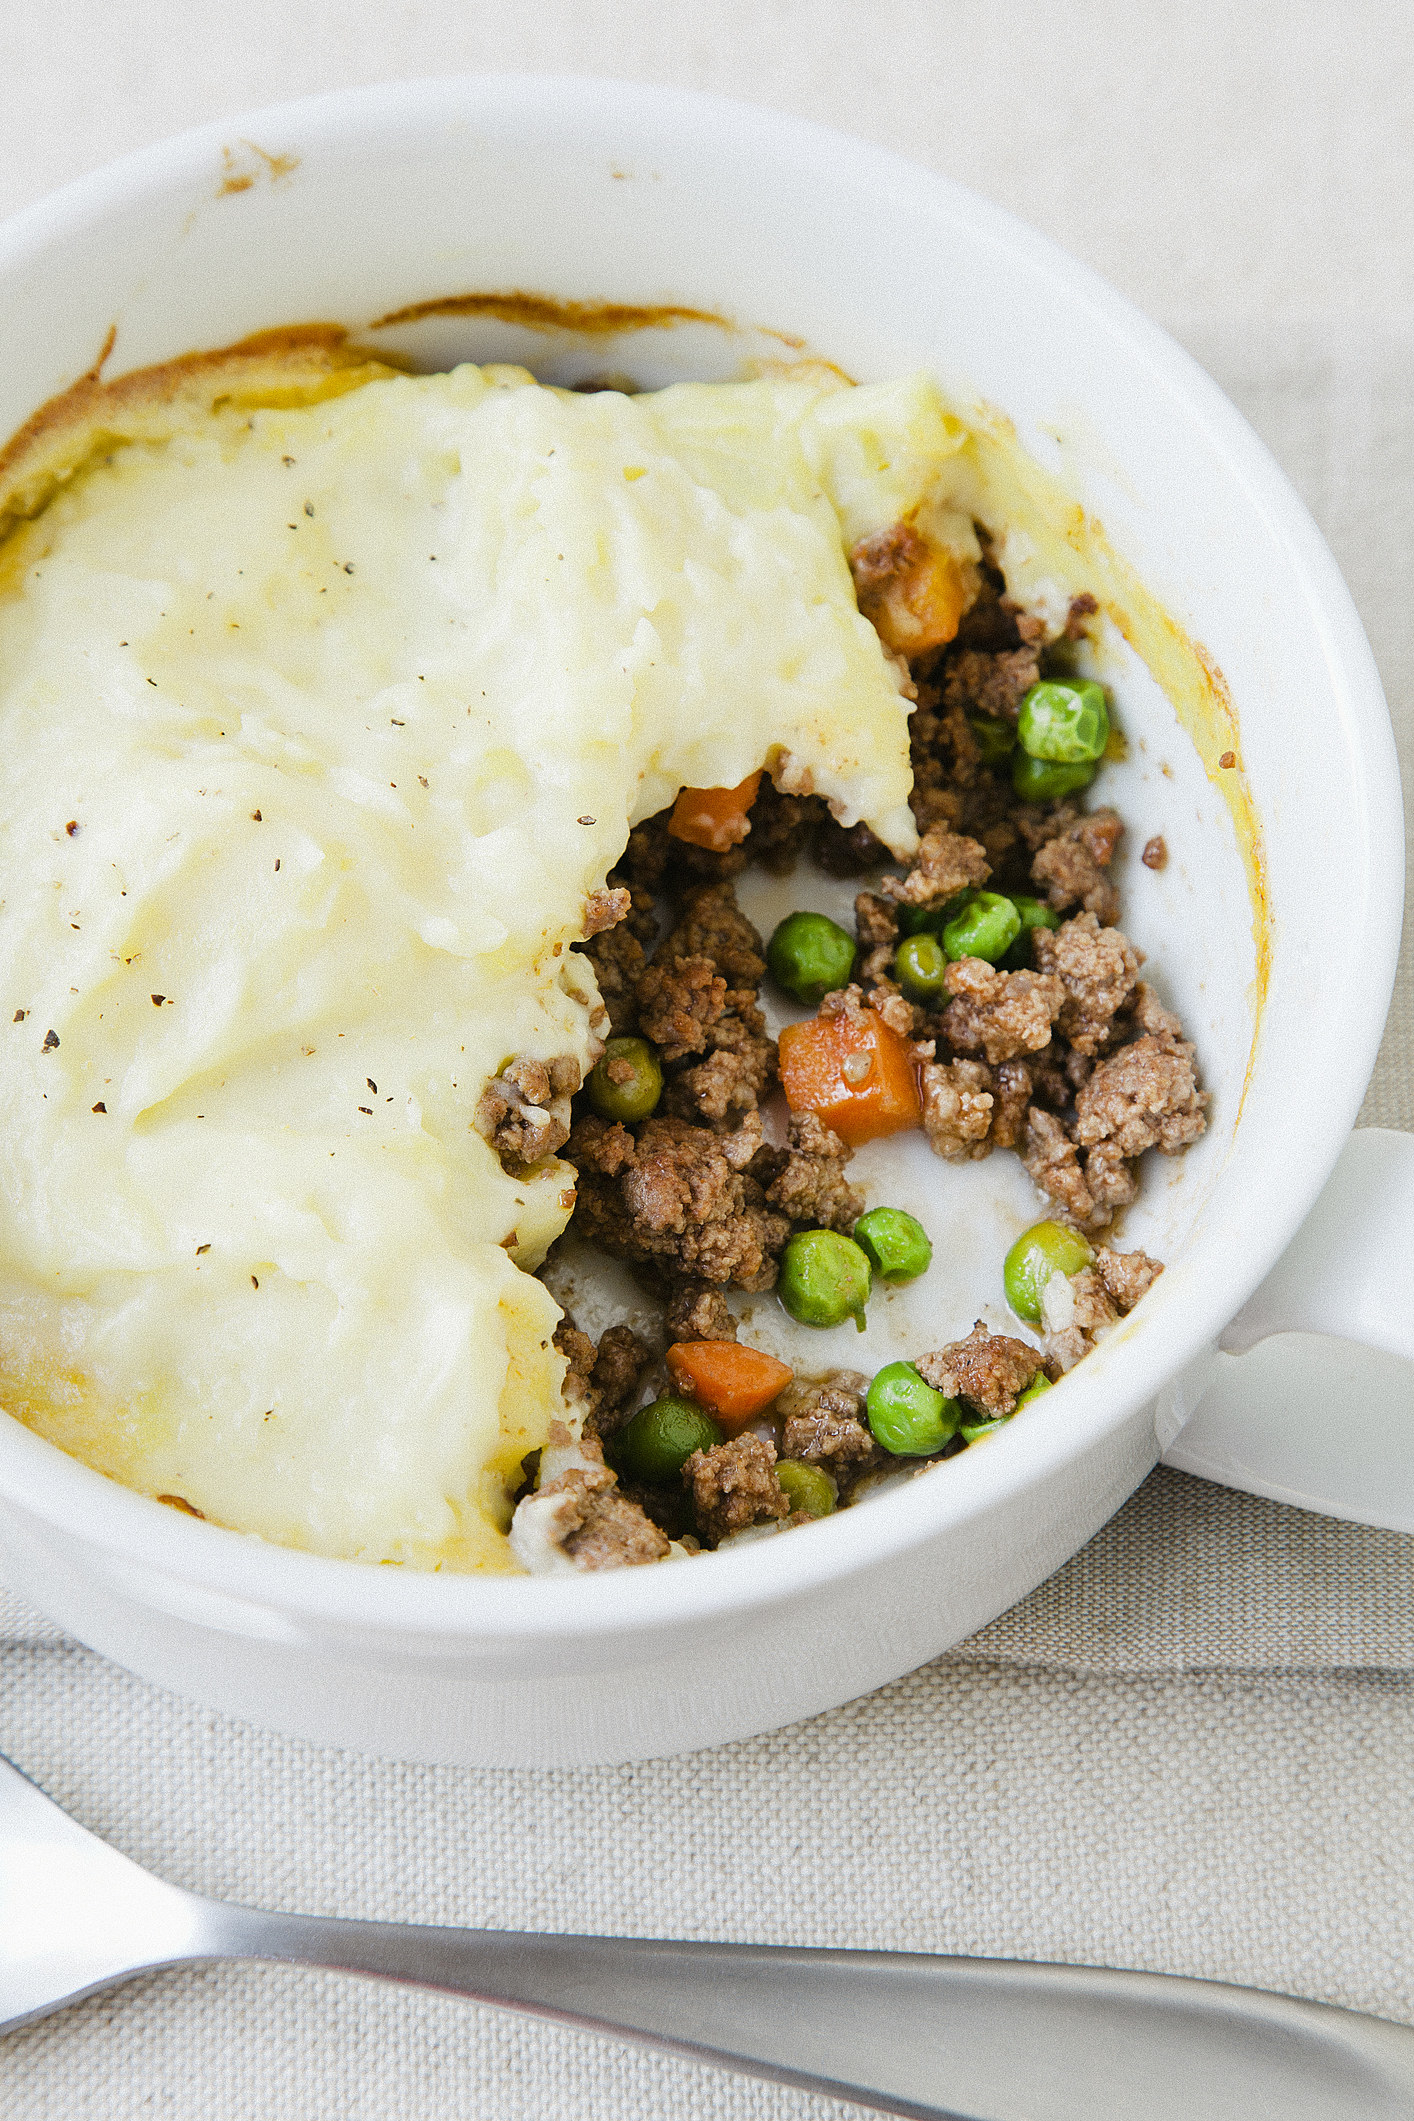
(578, 1518)
(524, 1112)
(876, 920)
(680, 1193)
(1000, 1015)
(605, 909)
(1070, 869)
(697, 1311)
(1145, 1097)
(945, 864)
(957, 1108)
(601, 1383)
(618, 1371)
(1012, 1086)
(618, 960)
(580, 1354)
(989, 1370)
(671, 1198)
(823, 1425)
(612, 1532)
(1097, 967)
(997, 658)
(678, 1003)
(734, 1485)
(1079, 1309)
(806, 1181)
(1070, 1061)
(698, 997)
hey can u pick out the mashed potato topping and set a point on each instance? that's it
(321, 724)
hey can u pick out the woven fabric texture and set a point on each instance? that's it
(1250, 1827)
(1188, 1751)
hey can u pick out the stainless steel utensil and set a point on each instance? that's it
(941, 2039)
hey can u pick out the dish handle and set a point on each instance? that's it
(1309, 1396)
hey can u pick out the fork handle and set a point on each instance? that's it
(940, 2039)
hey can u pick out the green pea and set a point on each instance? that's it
(906, 1415)
(995, 740)
(895, 1244)
(627, 1081)
(931, 920)
(1045, 1249)
(1042, 780)
(1067, 722)
(824, 1279)
(1035, 913)
(974, 1431)
(1021, 957)
(657, 1443)
(987, 928)
(810, 956)
(807, 1487)
(920, 966)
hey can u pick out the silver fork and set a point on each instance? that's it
(941, 2039)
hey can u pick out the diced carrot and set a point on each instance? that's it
(854, 1073)
(714, 817)
(913, 592)
(735, 1382)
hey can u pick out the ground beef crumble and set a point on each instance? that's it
(1012, 1085)
(734, 1485)
(1070, 869)
(605, 909)
(989, 1370)
(613, 1532)
(1145, 1096)
(806, 1181)
(1000, 1014)
(618, 959)
(823, 1425)
(697, 1311)
(957, 1108)
(678, 1002)
(945, 864)
(614, 1380)
(876, 920)
(1097, 967)
(601, 1382)
(1083, 1309)
(698, 996)
(524, 1112)
(578, 1518)
(672, 1198)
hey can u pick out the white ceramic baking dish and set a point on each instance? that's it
(357, 206)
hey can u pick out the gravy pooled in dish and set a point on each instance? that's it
(330, 696)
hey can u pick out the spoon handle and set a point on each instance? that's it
(940, 2039)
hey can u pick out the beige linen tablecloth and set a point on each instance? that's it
(1190, 1750)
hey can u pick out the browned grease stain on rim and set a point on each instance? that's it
(1214, 730)
(238, 180)
(296, 364)
(1013, 488)
(590, 320)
